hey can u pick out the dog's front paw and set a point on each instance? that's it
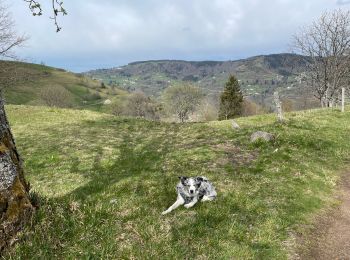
(165, 212)
(205, 198)
(187, 206)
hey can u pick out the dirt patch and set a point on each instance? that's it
(236, 155)
(329, 238)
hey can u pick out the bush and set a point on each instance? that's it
(207, 111)
(250, 108)
(287, 105)
(56, 96)
(92, 96)
(139, 105)
(182, 100)
(118, 109)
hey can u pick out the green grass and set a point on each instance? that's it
(32, 79)
(103, 181)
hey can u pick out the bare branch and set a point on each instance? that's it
(8, 37)
(57, 9)
(327, 43)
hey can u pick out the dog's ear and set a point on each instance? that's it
(200, 179)
(182, 179)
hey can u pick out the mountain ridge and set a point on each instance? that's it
(257, 74)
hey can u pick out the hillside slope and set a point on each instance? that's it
(259, 75)
(30, 82)
(102, 182)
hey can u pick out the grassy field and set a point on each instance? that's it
(103, 181)
(33, 79)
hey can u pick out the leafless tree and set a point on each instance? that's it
(9, 39)
(183, 100)
(118, 109)
(207, 110)
(56, 96)
(250, 108)
(139, 105)
(326, 45)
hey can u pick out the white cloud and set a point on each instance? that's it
(106, 33)
(343, 2)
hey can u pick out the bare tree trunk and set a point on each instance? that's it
(15, 206)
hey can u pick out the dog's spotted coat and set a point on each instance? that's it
(192, 190)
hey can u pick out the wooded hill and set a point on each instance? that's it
(259, 76)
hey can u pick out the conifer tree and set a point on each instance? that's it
(231, 100)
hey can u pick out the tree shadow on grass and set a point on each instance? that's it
(132, 161)
(138, 152)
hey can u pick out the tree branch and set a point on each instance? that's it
(57, 9)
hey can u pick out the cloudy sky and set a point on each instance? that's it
(109, 33)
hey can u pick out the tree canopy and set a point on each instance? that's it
(183, 100)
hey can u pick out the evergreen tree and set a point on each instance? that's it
(231, 100)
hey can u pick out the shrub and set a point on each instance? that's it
(207, 111)
(118, 109)
(139, 105)
(56, 96)
(92, 96)
(250, 108)
(182, 100)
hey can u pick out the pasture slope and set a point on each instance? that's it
(29, 81)
(103, 181)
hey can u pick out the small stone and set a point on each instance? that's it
(113, 201)
(262, 136)
(235, 125)
(107, 102)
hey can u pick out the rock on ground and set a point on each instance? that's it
(235, 125)
(107, 102)
(262, 136)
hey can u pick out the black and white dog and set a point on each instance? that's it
(192, 190)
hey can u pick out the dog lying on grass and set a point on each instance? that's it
(192, 190)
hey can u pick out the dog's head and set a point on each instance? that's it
(191, 185)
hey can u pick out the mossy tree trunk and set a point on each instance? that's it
(15, 206)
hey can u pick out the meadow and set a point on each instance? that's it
(101, 182)
(33, 81)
